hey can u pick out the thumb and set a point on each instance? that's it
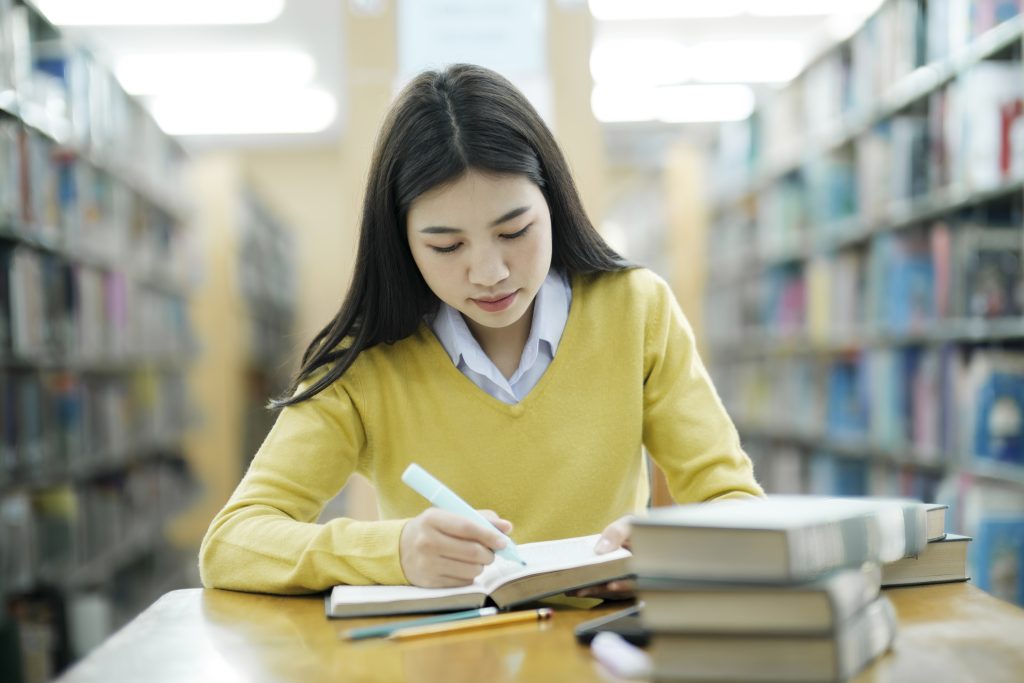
(614, 536)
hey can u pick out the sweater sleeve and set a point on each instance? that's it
(686, 428)
(266, 538)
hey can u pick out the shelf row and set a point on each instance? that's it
(931, 462)
(57, 426)
(918, 405)
(74, 536)
(855, 231)
(837, 109)
(63, 93)
(977, 331)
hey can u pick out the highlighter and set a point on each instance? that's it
(423, 483)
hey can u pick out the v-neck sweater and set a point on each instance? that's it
(565, 461)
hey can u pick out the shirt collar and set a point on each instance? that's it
(550, 313)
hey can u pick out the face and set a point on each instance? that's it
(483, 245)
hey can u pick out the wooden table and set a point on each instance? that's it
(951, 632)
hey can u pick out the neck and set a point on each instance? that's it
(504, 345)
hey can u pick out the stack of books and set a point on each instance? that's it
(942, 560)
(781, 589)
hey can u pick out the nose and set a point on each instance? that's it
(488, 267)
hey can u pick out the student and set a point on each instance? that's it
(491, 336)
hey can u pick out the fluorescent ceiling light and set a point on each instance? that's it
(639, 62)
(620, 10)
(696, 103)
(614, 104)
(662, 62)
(746, 61)
(155, 12)
(194, 72)
(260, 112)
(672, 104)
(611, 10)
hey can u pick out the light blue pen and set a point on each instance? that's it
(423, 483)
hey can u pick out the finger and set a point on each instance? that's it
(456, 526)
(503, 525)
(445, 573)
(461, 573)
(461, 550)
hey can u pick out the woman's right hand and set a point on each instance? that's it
(439, 549)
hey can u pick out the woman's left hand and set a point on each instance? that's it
(614, 536)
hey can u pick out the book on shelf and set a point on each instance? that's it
(987, 275)
(814, 607)
(837, 656)
(552, 567)
(994, 392)
(943, 560)
(780, 538)
(998, 556)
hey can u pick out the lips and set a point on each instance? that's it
(496, 304)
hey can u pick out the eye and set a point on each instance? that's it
(518, 234)
(447, 250)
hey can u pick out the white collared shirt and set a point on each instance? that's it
(550, 313)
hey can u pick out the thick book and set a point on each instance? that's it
(936, 521)
(779, 538)
(837, 657)
(807, 608)
(552, 567)
(941, 561)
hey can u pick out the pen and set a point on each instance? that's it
(384, 630)
(473, 624)
(423, 483)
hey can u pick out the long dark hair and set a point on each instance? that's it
(442, 124)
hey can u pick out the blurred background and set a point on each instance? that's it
(833, 189)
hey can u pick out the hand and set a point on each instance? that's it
(439, 549)
(614, 536)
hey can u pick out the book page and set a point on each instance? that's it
(543, 557)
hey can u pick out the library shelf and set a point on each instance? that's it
(864, 312)
(95, 341)
(915, 86)
(963, 331)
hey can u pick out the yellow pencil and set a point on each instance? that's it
(472, 624)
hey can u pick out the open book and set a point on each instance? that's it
(552, 567)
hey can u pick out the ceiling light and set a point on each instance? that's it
(639, 62)
(672, 104)
(260, 112)
(192, 72)
(619, 10)
(697, 103)
(152, 12)
(622, 103)
(610, 10)
(731, 62)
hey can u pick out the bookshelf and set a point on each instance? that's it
(245, 309)
(95, 342)
(865, 298)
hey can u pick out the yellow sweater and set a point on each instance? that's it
(565, 461)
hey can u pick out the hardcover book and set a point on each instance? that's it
(552, 567)
(781, 538)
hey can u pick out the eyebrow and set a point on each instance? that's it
(509, 215)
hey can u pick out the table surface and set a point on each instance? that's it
(947, 632)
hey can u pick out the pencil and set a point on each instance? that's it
(384, 630)
(473, 624)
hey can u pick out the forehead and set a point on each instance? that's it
(474, 197)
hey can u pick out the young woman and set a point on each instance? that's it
(491, 336)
